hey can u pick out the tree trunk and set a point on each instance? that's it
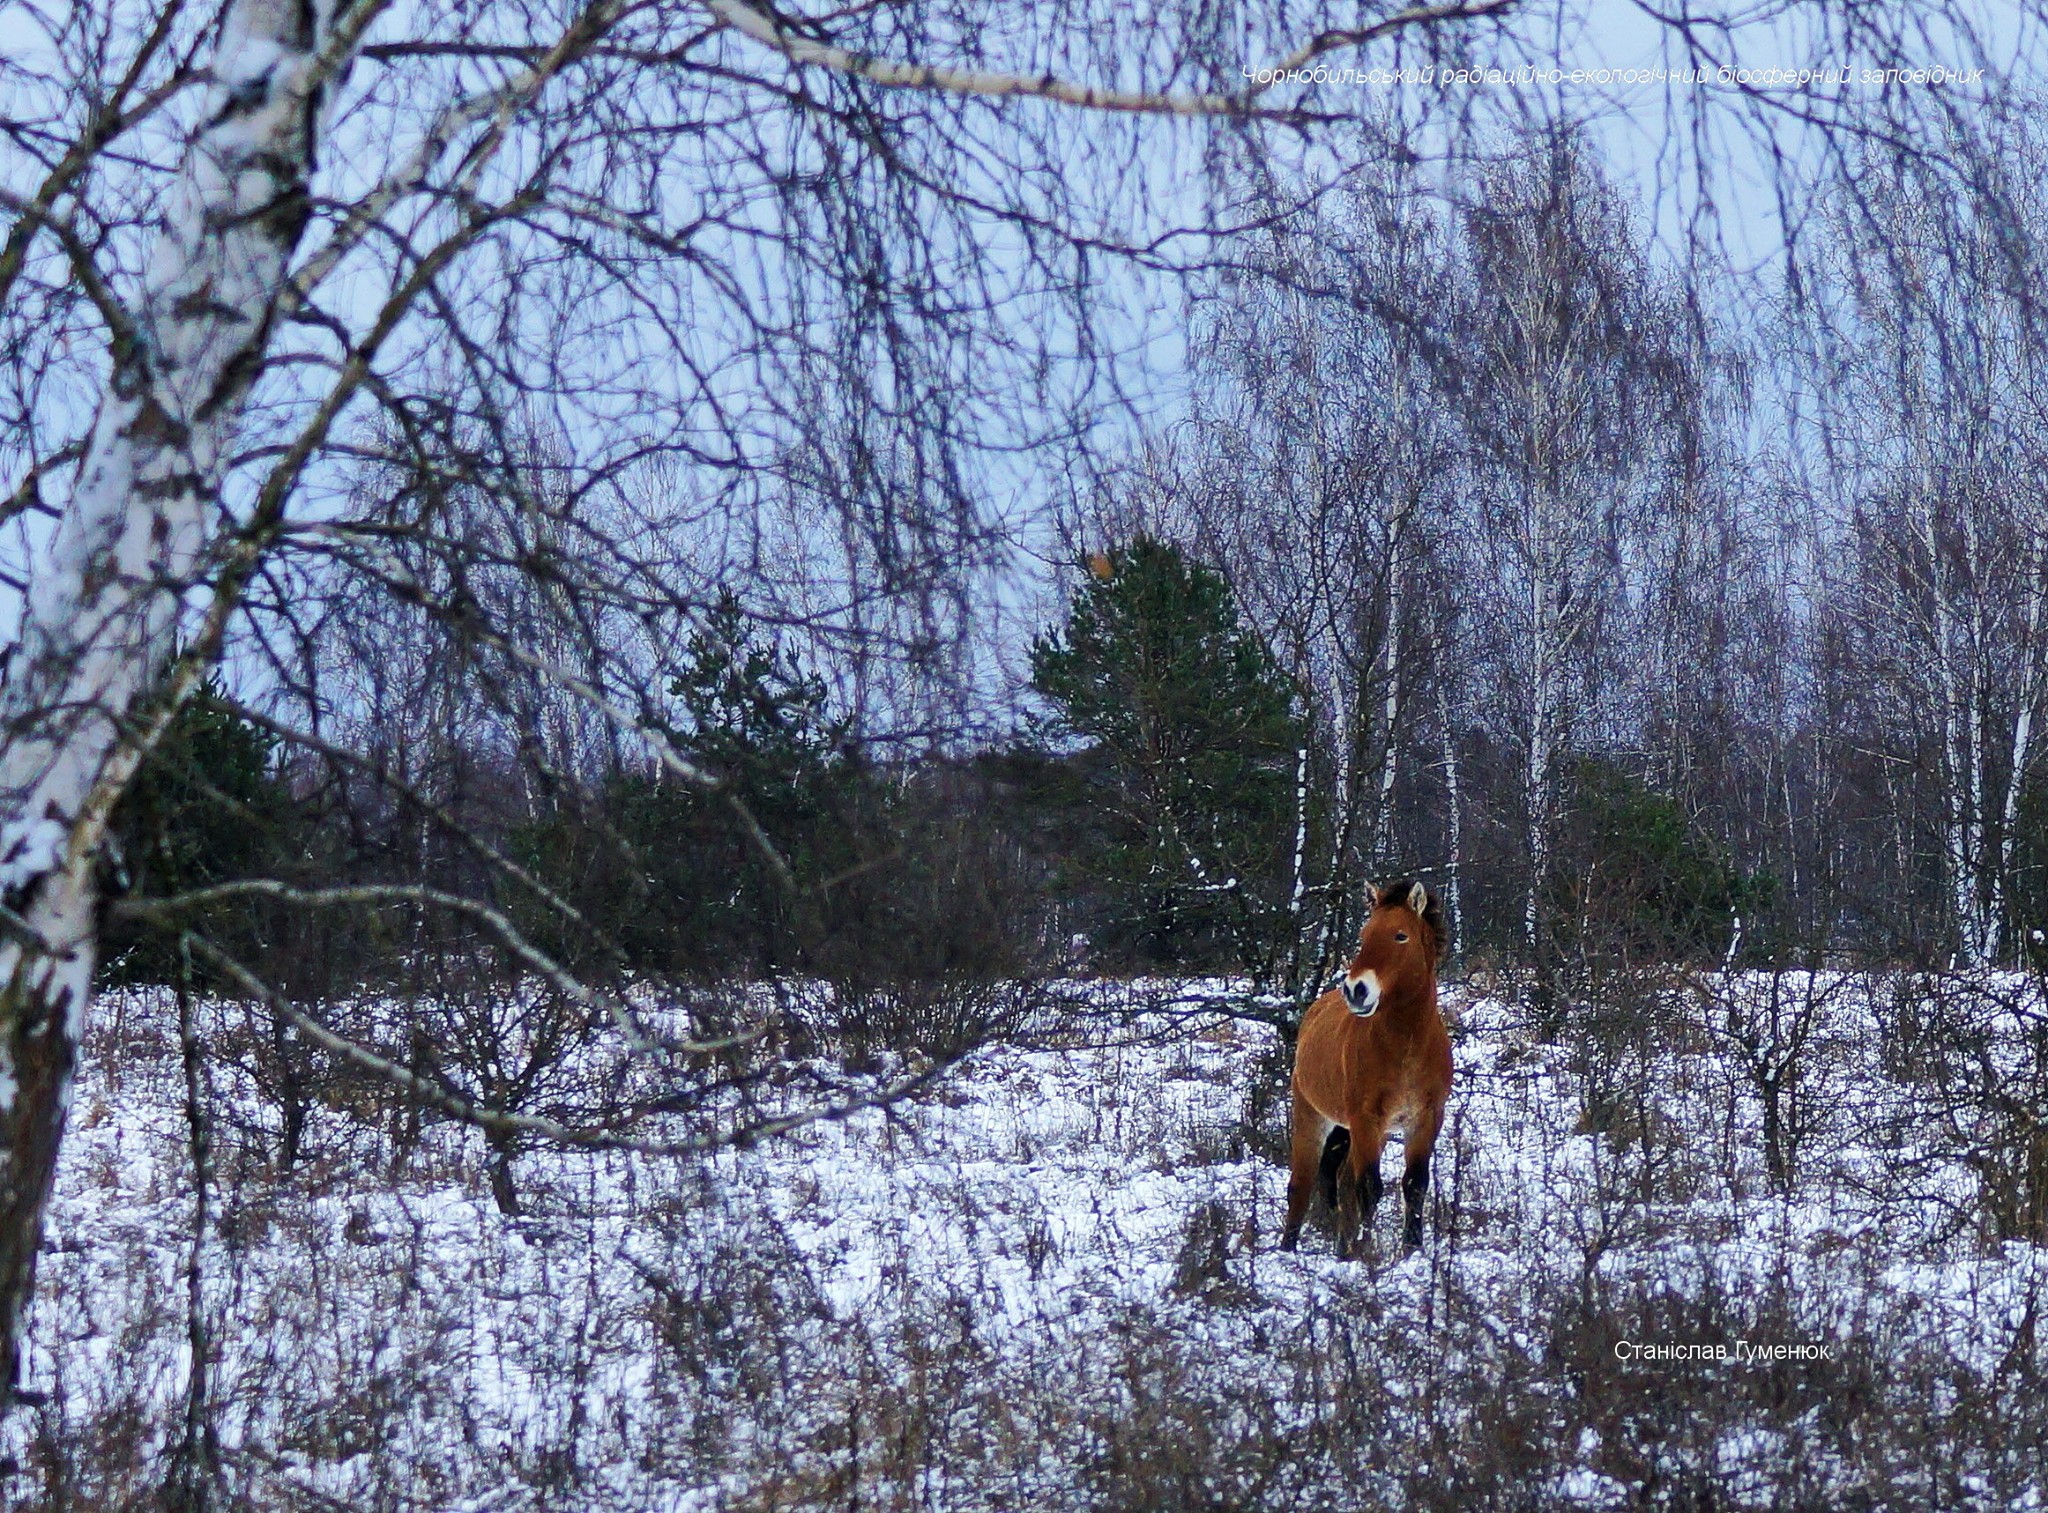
(1454, 901)
(2020, 754)
(1536, 764)
(101, 623)
(1391, 674)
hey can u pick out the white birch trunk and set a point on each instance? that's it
(1536, 766)
(1982, 927)
(1344, 788)
(102, 617)
(2021, 754)
(1960, 740)
(1297, 893)
(1390, 699)
(1454, 866)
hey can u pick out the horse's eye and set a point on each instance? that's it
(1401, 935)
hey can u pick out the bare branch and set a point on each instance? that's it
(447, 1101)
(565, 982)
(772, 29)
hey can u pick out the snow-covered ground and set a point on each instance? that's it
(1053, 1282)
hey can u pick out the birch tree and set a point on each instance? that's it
(1568, 386)
(1320, 455)
(97, 672)
(1942, 351)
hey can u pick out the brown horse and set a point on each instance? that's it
(1372, 1055)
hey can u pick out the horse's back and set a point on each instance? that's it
(1319, 1053)
(1321, 1024)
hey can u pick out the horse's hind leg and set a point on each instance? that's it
(1309, 1129)
(1335, 1148)
(1415, 1174)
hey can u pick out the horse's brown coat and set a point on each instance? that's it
(1372, 1056)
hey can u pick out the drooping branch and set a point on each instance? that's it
(508, 934)
(765, 25)
(117, 114)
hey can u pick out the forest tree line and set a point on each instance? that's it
(1477, 555)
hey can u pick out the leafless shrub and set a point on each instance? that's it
(1974, 1048)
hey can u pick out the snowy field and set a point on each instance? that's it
(1053, 1282)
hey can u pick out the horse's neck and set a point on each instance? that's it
(1411, 1006)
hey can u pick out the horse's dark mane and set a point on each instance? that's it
(1432, 913)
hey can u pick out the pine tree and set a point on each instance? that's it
(196, 812)
(206, 807)
(760, 720)
(671, 869)
(1189, 734)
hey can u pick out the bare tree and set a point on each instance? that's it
(1320, 452)
(630, 247)
(89, 686)
(1940, 347)
(1569, 385)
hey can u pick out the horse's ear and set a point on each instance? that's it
(1372, 895)
(1418, 899)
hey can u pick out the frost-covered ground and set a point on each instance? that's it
(1053, 1283)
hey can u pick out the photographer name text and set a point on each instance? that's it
(1742, 1352)
(1428, 75)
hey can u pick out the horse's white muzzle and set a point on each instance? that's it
(1362, 993)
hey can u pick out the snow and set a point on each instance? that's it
(1060, 1240)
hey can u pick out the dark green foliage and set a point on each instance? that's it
(2029, 896)
(905, 875)
(1636, 881)
(760, 720)
(1188, 741)
(206, 807)
(670, 872)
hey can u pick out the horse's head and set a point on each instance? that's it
(1397, 949)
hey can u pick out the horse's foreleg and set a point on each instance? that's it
(1309, 1129)
(1415, 1175)
(1363, 1187)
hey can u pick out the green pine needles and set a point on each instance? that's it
(1188, 737)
